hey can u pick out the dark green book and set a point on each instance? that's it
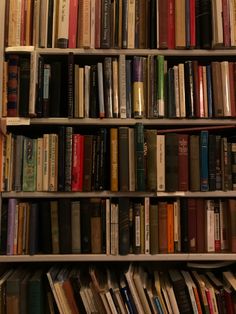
(36, 293)
(139, 156)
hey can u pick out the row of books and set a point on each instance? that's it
(120, 24)
(118, 226)
(119, 159)
(133, 288)
(119, 87)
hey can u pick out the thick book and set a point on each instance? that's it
(24, 84)
(13, 86)
(194, 161)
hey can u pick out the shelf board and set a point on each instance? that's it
(103, 194)
(118, 258)
(115, 52)
(119, 122)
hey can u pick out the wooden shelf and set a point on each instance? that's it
(118, 258)
(108, 194)
(114, 52)
(119, 122)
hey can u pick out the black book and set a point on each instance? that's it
(189, 85)
(171, 109)
(206, 24)
(3, 235)
(124, 230)
(39, 99)
(94, 104)
(55, 90)
(50, 23)
(85, 220)
(123, 159)
(106, 24)
(171, 162)
(184, 224)
(24, 82)
(212, 162)
(64, 222)
(108, 87)
(70, 83)
(45, 235)
(198, 24)
(34, 229)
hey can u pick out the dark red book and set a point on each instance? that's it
(12, 86)
(226, 23)
(77, 163)
(232, 219)
(163, 26)
(183, 165)
(171, 24)
(73, 21)
(192, 23)
(162, 227)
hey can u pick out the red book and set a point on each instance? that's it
(228, 301)
(77, 163)
(183, 165)
(163, 26)
(201, 95)
(226, 23)
(97, 23)
(232, 81)
(171, 23)
(73, 22)
(192, 23)
(200, 219)
(192, 225)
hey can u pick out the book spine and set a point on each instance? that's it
(63, 24)
(45, 162)
(46, 89)
(73, 22)
(123, 159)
(138, 88)
(106, 24)
(139, 153)
(204, 160)
(12, 203)
(68, 158)
(122, 85)
(124, 232)
(53, 163)
(161, 175)
(70, 90)
(108, 87)
(12, 86)
(29, 165)
(114, 159)
(183, 162)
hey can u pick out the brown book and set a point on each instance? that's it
(84, 24)
(232, 226)
(163, 25)
(183, 162)
(217, 89)
(69, 294)
(154, 248)
(194, 160)
(114, 159)
(123, 159)
(96, 226)
(162, 227)
(192, 225)
(54, 227)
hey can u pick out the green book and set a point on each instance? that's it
(29, 165)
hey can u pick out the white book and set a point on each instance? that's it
(63, 23)
(122, 86)
(160, 162)
(129, 277)
(210, 226)
(217, 27)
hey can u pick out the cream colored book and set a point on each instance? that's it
(217, 27)
(131, 24)
(81, 92)
(226, 88)
(63, 24)
(39, 180)
(43, 23)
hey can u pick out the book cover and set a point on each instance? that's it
(64, 224)
(204, 183)
(29, 165)
(138, 87)
(123, 159)
(124, 230)
(139, 156)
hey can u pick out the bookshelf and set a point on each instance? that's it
(32, 125)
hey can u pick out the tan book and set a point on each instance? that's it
(114, 159)
(160, 162)
(217, 27)
(53, 162)
(81, 92)
(45, 162)
(182, 90)
(33, 79)
(122, 86)
(114, 229)
(43, 23)
(131, 24)
(84, 24)
(225, 88)
(35, 26)
(180, 26)
(63, 24)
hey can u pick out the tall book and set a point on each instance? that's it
(204, 185)
(29, 164)
(171, 161)
(139, 153)
(123, 159)
(138, 87)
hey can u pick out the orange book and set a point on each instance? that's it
(69, 294)
(170, 228)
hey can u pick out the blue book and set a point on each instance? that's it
(209, 91)
(204, 184)
(158, 305)
(127, 297)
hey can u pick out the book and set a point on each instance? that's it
(29, 164)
